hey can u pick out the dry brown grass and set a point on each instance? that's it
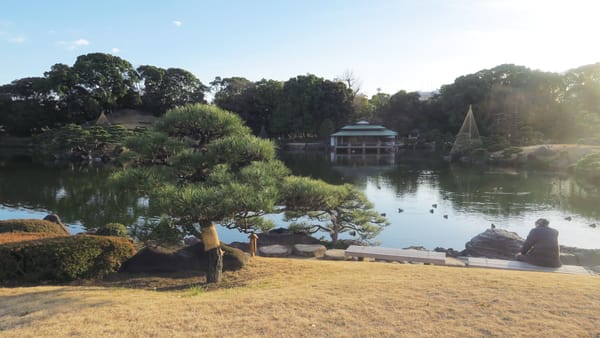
(294, 297)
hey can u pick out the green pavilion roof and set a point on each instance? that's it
(363, 128)
(385, 132)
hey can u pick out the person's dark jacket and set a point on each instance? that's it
(541, 247)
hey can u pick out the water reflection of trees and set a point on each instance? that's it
(313, 164)
(83, 194)
(491, 191)
(75, 194)
(509, 192)
(414, 169)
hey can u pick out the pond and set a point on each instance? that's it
(428, 202)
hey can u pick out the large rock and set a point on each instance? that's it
(189, 258)
(55, 219)
(494, 243)
(309, 250)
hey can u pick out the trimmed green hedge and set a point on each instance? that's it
(32, 225)
(62, 259)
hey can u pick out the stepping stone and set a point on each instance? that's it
(310, 250)
(335, 254)
(275, 250)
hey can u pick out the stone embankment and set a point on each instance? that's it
(551, 156)
(492, 243)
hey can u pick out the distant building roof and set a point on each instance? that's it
(363, 128)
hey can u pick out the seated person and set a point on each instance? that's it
(541, 246)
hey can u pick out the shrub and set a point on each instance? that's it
(12, 237)
(478, 154)
(32, 225)
(62, 259)
(496, 142)
(508, 152)
(82, 139)
(113, 229)
(162, 232)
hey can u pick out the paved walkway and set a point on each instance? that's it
(479, 262)
(439, 258)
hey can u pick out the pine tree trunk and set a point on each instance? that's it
(212, 248)
(335, 231)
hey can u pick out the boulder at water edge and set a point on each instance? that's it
(55, 219)
(494, 243)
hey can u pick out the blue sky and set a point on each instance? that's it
(391, 45)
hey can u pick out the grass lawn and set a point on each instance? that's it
(307, 297)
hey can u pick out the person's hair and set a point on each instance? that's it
(542, 222)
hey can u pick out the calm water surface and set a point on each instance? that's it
(468, 199)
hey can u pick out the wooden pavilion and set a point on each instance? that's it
(363, 138)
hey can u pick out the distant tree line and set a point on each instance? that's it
(513, 105)
(95, 83)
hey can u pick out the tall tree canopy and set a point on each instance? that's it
(307, 101)
(254, 102)
(105, 78)
(96, 83)
(27, 105)
(163, 89)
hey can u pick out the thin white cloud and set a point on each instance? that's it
(115, 50)
(7, 35)
(177, 23)
(72, 45)
(81, 42)
(16, 39)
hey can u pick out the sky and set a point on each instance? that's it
(388, 45)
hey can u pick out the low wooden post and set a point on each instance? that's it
(253, 244)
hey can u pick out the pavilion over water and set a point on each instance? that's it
(363, 138)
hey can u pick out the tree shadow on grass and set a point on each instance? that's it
(27, 308)
(159, 281)
(167, 281)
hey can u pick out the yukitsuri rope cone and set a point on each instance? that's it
(468, 136)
